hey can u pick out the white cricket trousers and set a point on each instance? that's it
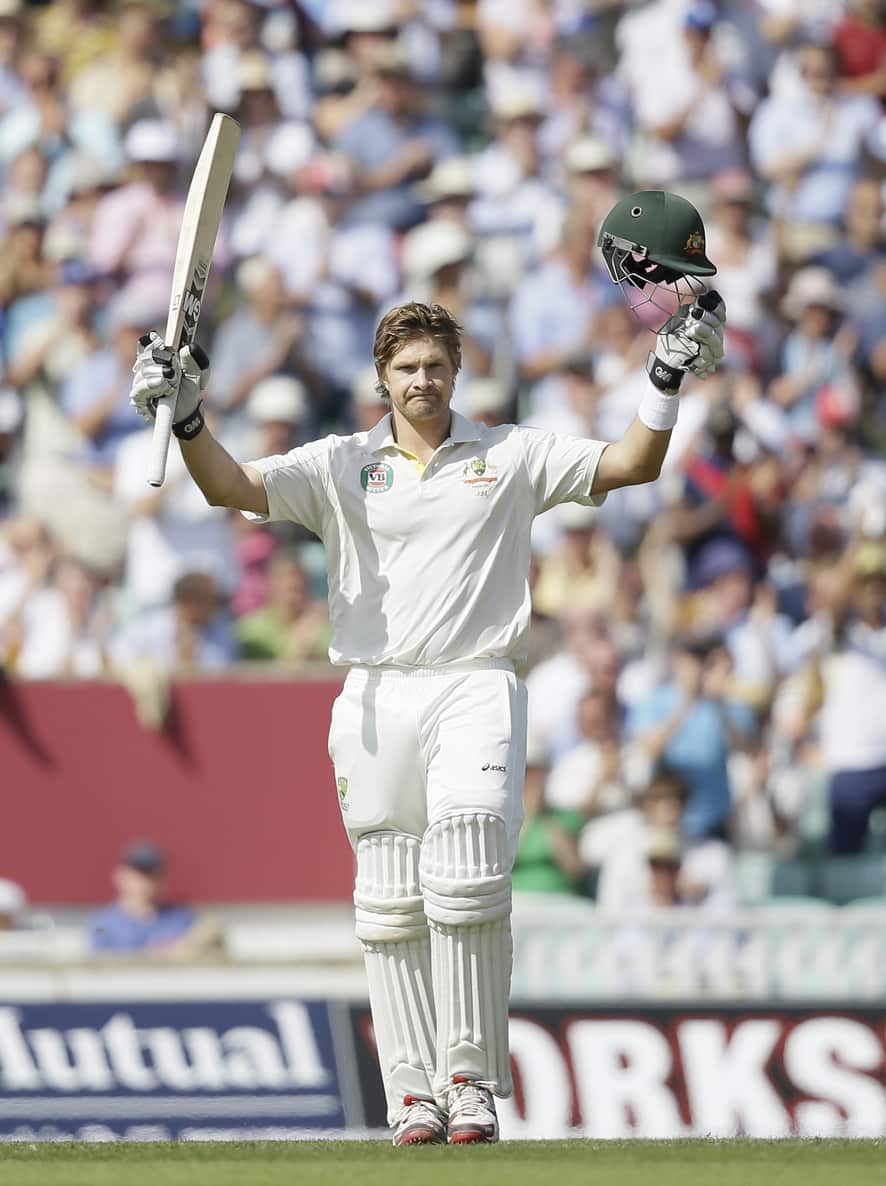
(429, 765)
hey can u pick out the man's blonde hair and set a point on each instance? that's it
(414, 320)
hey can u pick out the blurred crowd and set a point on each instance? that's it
(708, 654)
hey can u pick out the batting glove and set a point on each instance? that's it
(160, 373)
(690, 340)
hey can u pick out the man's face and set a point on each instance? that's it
(138, 886)
(665, 875)
(662, 808)
(870, 594)
(419, 379)
(595, 717)
(817, 70)
(287, 584)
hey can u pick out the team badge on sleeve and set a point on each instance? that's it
(341, 784)
(377, 477)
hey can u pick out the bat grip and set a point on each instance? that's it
(160, 440)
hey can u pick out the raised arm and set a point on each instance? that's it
(224, 482)
(691, 340)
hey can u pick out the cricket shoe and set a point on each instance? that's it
(419, 1122)
(472, 1118)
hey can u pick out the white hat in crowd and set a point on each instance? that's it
(12, 410)
(812, 286)
(152, 140)
(254, 272)
(573, 516)
(589, 154)
(364, 391)
(452, 177)
(278, 398)
(434, 245)
(12, 898)
(480, 397)
(518, 100)
(664, 845)
(363, 16)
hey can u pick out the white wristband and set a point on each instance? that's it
(659, 411)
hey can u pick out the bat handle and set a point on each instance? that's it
(163, 356)
(160, 440)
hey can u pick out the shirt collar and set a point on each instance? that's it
(461, 431)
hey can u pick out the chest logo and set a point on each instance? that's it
(479, 474)
(377, 477)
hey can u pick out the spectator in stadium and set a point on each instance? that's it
(588, 658)
(701, 869)
(64, 629)
(13, 903)
(121, 82)
(189, 636)
(436, 261)
(827, 132)
(135, 227)
(553, 310)
(277, 415)
(548, 859)
(854, 691)
(141, 919)
(515, 203)
(595, 777)
(291, 627)
(691, 724)
(12, 415)
(28, 554)
(592, 167)
(170, 528)
(260, 337)
(367, 404)
(746, 267)
(860, 42)
(688, 113)
(93, 394)
(337, 272)
(817, 352)
(485, 401)
(393, 144)
(583, 571)
(718, 502)
(24, 273)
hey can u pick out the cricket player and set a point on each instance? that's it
(426, 522)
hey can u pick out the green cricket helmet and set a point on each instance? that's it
(653, 243)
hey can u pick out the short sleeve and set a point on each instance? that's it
(295, 485)
(561, 468)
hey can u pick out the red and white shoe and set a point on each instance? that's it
(419, 1122)
(472, 1118)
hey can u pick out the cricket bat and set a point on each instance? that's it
(193, 256)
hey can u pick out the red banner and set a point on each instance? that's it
(238, 788)
(682, 1070)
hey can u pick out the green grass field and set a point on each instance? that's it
(375, 1163)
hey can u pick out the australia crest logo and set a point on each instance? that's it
(479, 474)
(695, 243)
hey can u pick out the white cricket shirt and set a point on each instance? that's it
(429, 565)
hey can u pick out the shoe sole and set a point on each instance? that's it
(471, 1136)
(422, 1137)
